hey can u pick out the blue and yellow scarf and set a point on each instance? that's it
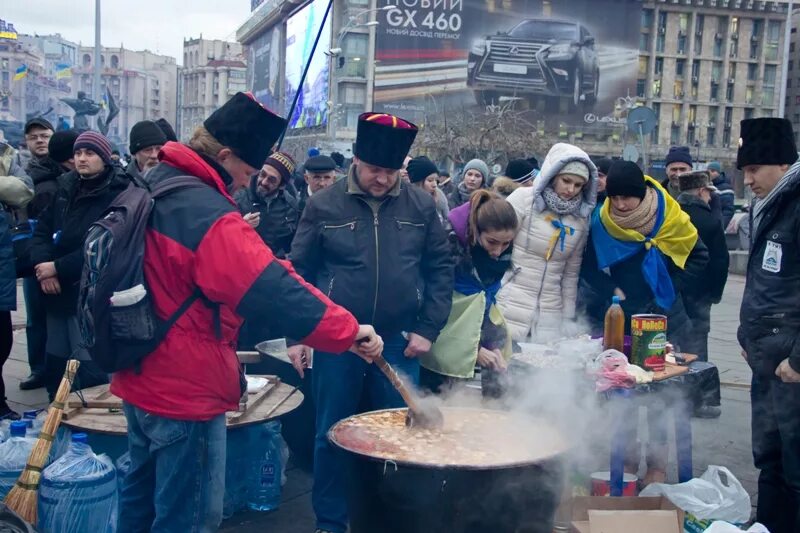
(673, 236)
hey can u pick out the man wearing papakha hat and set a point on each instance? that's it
(200, 253)
(375, 246)
(696, 189)
(770, 316)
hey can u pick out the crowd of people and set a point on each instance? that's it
(387, 253)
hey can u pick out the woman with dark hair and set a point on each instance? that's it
(482, 236)
(423, 173)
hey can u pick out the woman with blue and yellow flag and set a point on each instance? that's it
(644, 249)
(538, 298)
(482, 234)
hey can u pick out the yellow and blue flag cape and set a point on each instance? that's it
(673, 236)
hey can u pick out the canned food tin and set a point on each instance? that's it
(649, 341)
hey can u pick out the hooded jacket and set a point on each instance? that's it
(197, 239)
(16, 190)
(44, 173)
(770, 313)
(62, 226)
(539, 295)
(727, 199)
(279, 212)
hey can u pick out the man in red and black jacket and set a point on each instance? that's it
(175, 404)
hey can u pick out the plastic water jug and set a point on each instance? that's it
(266, 467)
(35, 422)
(14, 455)
(78, 493)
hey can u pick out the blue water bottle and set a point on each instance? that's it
(266, 468)
(14, 455)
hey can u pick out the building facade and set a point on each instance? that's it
(143, 84)
(212, 72)
(704, 65)
(793, 77)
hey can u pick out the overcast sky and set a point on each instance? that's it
(155, 25)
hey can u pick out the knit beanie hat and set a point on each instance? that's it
(520, 170)
(480, 166)
(420, 168)
(166, 127)
(96, 142)
(679, 154)
(625, 178)
(714, 165)
(338, 158)
(603, 165)
(61, 145)
(576, 168)
(145, 134)
(283, 163)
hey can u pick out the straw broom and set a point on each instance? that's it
(23, 496)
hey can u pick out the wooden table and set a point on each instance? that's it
(109, 419)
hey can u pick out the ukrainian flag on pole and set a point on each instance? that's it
(63, 70)
(22, 71)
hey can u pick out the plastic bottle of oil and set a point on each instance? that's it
(614, 327)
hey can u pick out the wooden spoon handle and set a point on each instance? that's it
(395, 379)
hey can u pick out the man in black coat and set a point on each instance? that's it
(44, 171)
(770, 316)
(146, 140)
(377, 248)
(269, 207)
(694, 198)
(57, 252)
(319, 173)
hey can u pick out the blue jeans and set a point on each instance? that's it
(177, 474)
(345, 385)
(36, 327)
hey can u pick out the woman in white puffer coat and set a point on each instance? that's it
(538, 295)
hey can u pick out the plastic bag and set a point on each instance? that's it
(78, 492)
(14, 455)
(724, 527)
(709, 497)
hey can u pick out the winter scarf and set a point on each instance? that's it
(560, 206)
(672, 235)
(643, 218)
(761, 206)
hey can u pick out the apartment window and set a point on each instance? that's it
(354, 93)
(659, 66)
(748, 112)
(791, 47)
(677, 90)
(711, 137)
(662, 20)
(768, 97)
(796, 117)
(696, 69)
(87, 60)
(726, 137)
(690, 135)
(729, 92)
(692, 114)
(644, 62)
(641, 86)
(718, 47)
(693, 91)
(681, 43)
(758, 28)
(656, 88)
(657, 110)
(748, 95)
(713, 116)
(644, 42)
(734, 26)
(647, 18)
(680, 67)
(728, 116)
(675, 135)
(676, 113)
(714, 92)
(716, 71)
(358, 2)
(753, 50)
(752, 71)
(773, 38)
(699, 22)
(660, 41)
(771, 74)
(354, 48)
(114, 61)
(683, 22)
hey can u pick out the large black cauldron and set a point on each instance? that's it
(385, 496)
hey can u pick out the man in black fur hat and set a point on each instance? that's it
(770, 316)
(375, 246)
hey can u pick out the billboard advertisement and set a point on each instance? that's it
(264, 55)
(301, 31)
(566, 61)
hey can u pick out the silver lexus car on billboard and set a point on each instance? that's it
(538, 57)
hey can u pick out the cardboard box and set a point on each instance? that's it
(625, 515)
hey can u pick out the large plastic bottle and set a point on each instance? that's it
(78, 493)
(614, 327)
(35, 423)
(266, 468)
(14, 455)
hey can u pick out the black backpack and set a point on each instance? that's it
(119, 330)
